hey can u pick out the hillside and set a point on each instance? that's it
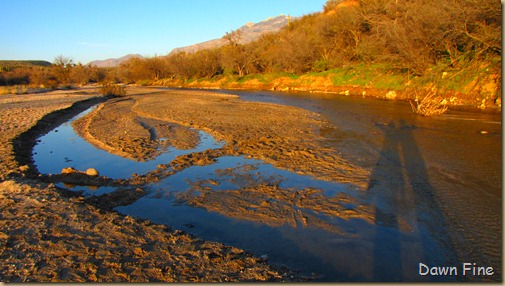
(29, 63)
(113, 62)
(399, 49)
(248, 33)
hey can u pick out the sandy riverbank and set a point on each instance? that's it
(288, 138)
(49, 234)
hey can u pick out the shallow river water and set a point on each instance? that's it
(435, 184)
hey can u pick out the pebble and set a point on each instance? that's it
(92, 172)
(68, 170)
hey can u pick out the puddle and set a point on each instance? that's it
(87, 190)
(339, 249)
(331, 247)
(62, 148)
(169, 200)
(237, 172)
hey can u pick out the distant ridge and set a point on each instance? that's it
(113, 62)
(23, 63)
(249, 32)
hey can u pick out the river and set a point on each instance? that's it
(435, 183)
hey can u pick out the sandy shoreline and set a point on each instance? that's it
(50, 234)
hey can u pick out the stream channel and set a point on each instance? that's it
(437, 182)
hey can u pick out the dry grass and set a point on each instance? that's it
(17, 89)
(428, 105)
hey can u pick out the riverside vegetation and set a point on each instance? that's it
(449, 50)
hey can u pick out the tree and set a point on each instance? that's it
(61, 67)
(79, 74)
(180, 66)
(235, 55)
(233, 37)
(63, 61)
(208, 62)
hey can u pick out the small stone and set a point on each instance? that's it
(3, 236)
(92, 172)
(138, 251)
(391, 95)
(24, 168)
(68, 170)
(263, 258)
(484, 132)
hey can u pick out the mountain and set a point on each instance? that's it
(113, 62)
(248, 33)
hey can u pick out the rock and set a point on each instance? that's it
(162, 166)
(92, 172)
(497, 101)
(391, 95)
(3, 236)
(24, 168)
(68, 170)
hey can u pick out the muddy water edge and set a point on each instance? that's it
(345, 189)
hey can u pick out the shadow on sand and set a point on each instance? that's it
(411, 227)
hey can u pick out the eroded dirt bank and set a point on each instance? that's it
(19, 113)
(50, 234)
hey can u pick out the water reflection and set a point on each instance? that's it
(422, 170)
(459, 159)
(63, 147)
(87, 190)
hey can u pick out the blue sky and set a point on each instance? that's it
(87, 30)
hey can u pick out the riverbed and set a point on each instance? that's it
(382, 189)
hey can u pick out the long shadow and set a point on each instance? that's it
(406, 204)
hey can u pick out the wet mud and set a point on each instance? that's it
(286, 137)
(115, 128)
(275, 206)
